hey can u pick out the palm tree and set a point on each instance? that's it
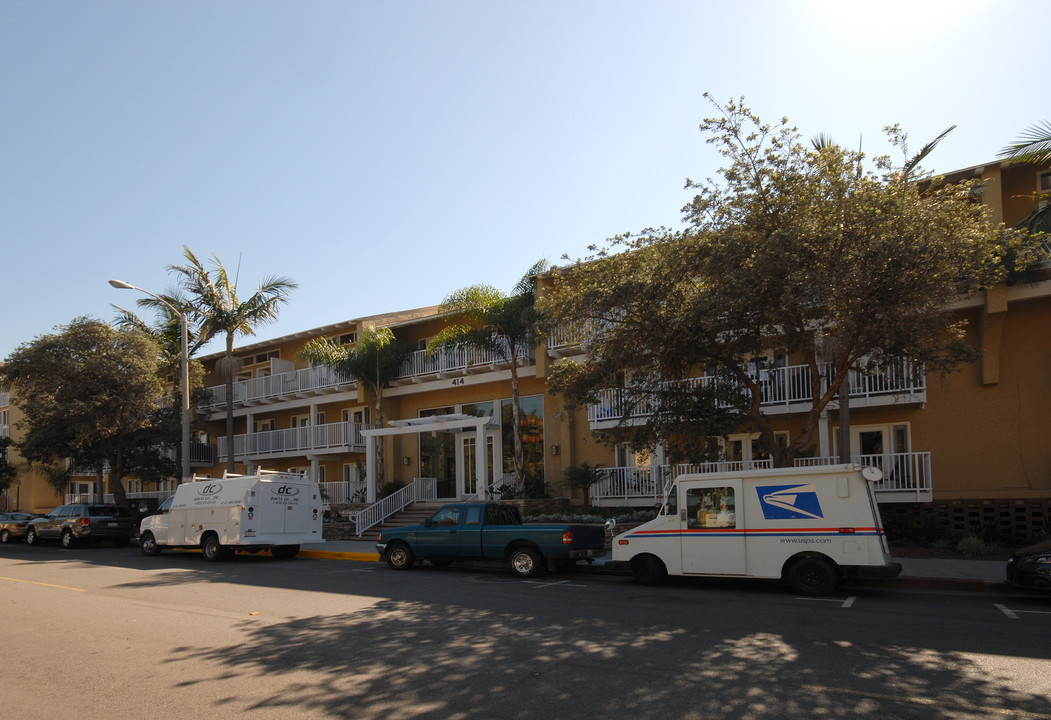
(215, 308)
(506, 325)
(375, 359)
(1032, 146)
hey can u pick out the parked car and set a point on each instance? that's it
(492, 532)
(1031, 566)
(13, 526)
(80, 522)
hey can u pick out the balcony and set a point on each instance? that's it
(783, 390)
(307, 382)
(201, 454)
(906, 477)
(422, 365)
(331, 438)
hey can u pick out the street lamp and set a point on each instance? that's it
(185, 373)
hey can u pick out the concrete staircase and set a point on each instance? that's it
(414, 514)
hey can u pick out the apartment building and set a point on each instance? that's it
(972, 442)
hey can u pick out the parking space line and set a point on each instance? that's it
(543, 583)
(33, 582)
(846, 604)
(1006, 611)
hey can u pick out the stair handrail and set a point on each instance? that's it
(418, 489)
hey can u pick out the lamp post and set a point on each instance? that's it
(185, 372)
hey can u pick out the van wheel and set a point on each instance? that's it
(68, 540)
(648, 570)
(212, 550)
(812, 576)
(525, 562)
(148, 544)
(399, 557)
(32, 538)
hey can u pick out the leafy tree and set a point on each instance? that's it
(375, 359)
(8, 472)
(484, 318)
(166, 334)
(797, 248)
(90, 393)
(215, 308)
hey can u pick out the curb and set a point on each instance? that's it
(331, 555)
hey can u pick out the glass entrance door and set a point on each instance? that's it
(470, 465)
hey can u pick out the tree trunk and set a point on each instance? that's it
(516, 423)
(230, 403)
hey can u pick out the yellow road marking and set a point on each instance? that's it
(34, 582)
(987, 711)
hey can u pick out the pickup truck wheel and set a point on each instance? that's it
(525, 562)
(648, 570)
(399, 556)
(212, 550)
(148, 544)
(68, 540)
(31, 537)
(812, 576)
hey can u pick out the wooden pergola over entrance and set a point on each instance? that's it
(453, 422)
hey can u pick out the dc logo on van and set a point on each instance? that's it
(789, 502)
(209, 489)
(285, 490)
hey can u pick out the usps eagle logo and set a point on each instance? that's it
(789, 502)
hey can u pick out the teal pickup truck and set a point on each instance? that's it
(489, 531)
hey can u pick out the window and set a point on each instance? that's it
(473, 516)
(711, 508)
(265, 425)
(1044, 182)
(447, 516)
(348, 338)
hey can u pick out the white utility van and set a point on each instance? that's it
(270, 511)
(810, 526)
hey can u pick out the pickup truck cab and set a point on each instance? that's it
(493, 532)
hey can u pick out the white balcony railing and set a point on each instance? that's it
(783, 387)
(330, 437)
(906, 477)
(5, 398)
(422, 363)
(297, 383)
(5, 430)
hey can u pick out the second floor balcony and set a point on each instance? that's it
(329, 438)
(782, 390)
(305, 382)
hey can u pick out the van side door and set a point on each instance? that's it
(713, 528)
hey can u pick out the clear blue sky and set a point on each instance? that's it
(383, 154)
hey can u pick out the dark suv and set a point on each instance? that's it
(81, 522)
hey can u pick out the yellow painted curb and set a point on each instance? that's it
(326, 555)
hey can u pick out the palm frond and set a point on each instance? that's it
(1033, 145)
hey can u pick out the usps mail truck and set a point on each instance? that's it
(809, 526)
(269, 511)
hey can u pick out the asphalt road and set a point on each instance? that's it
(102, 632)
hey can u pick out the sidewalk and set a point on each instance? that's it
(973, 575)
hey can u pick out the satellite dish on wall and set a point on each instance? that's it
(871, 474)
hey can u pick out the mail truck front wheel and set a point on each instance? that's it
(812, 576)
(648, 569)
